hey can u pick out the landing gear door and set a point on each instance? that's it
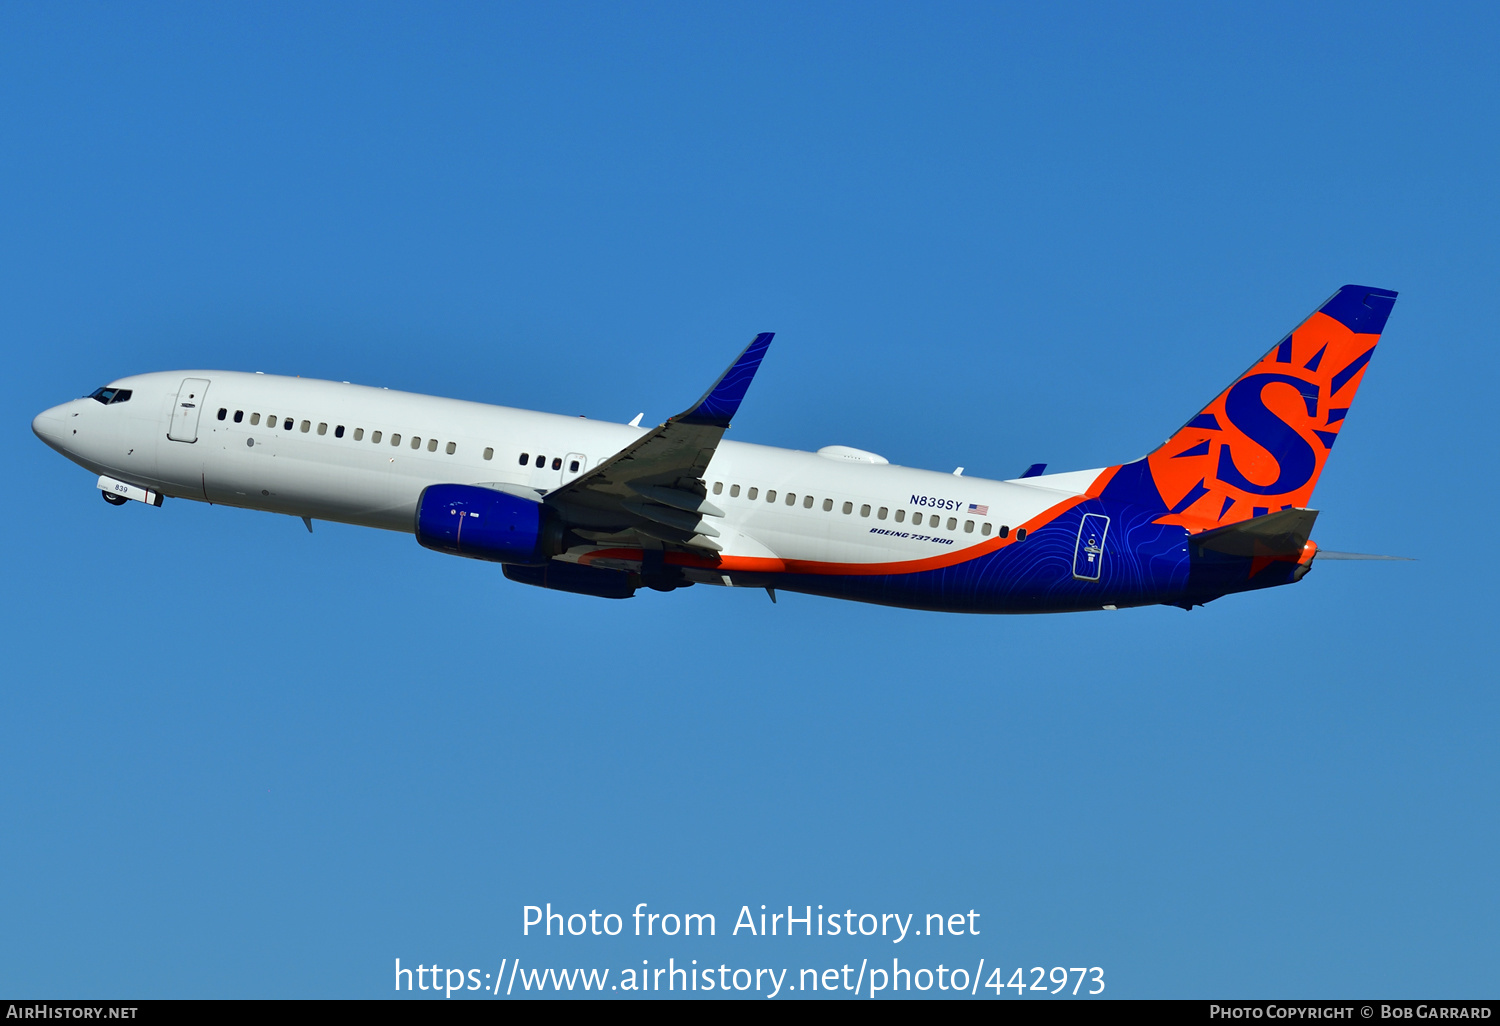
(186, 410)
(1088, 554)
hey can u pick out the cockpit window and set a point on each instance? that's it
(108, 396)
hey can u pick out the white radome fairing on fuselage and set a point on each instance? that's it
(305, 473)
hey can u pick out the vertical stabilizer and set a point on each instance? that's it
(1261, 444)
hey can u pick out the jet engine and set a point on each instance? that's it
(482, 523)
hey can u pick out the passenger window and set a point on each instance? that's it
(864, 510)
(416, 442)
(572, 466)
(752, 493)
(359, 434)
(396, 439)
(541, 461)
(288, 424)
(985, 530)
(307, 426)
(557, 463)
(916, 519)
(734, 491)
(374, 437)
(489, 452)
(254, 418)
(848, 507)
(968, 527)
(900, 515)
(771, 495)
(881, 512)
(1020, 534)
(451, 448)
(338, 432)
(718, 487)
(223, 413)
(323, 428)
(791, 499)
(239, 415)
(953, 523)
(827, 505)
(432, 444)
(525, 458)
(1004, 531)
(270, 420)
(807, 501)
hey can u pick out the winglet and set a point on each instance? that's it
(720, 403)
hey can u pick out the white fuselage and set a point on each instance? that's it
(360, 455)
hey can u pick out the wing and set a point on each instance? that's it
(653, 488)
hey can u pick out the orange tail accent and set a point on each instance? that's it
(1262, 443)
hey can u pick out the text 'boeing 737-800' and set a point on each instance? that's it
(604, 509)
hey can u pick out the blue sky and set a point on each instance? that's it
(240, 760)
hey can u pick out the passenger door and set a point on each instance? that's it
(187, 410)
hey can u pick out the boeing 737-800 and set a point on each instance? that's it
(603, 509)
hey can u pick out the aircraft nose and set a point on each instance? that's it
(48, 426)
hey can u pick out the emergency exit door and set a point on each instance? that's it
(185, 414)
(1088, 554)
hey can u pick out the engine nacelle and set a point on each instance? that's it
(581, 580)
(482, 523)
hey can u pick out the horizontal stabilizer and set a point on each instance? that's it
(1326, 554)
(1283, 534)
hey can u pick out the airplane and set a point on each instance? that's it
(604, 509)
